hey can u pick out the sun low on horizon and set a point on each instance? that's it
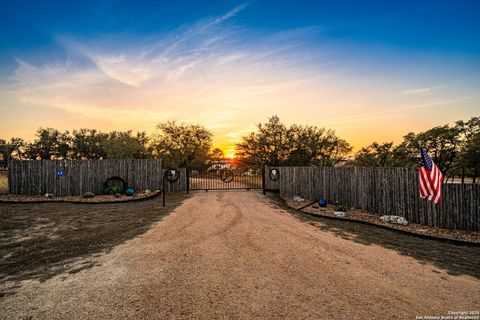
(370, 70)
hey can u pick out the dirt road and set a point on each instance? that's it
(237, 255)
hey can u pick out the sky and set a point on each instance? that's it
(371, 70)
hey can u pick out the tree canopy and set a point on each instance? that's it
(451, 147)
(182, 145)
(275, 143)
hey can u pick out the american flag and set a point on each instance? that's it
(430, 179)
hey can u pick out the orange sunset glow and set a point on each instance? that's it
(234, 159)
(219, 71)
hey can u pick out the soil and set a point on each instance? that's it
(239, 255)
(97, 199)
(360, 215)
(38, 241)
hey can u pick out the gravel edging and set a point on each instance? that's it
(151, 196)
(416, 234)
(386, 227)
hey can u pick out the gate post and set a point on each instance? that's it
(187, 173)
(163, 187)
(263, 180)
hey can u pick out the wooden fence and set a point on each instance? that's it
(382, 191)
(75, 177)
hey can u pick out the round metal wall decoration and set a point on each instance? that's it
(172, 175)
(114, 185)
(227, 176)
(274, 174)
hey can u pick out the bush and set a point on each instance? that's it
(114, 185)
(340, 207)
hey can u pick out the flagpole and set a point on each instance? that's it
(420, 142)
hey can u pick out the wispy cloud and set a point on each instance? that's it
(420, 91)
(210, 72)
(201, 68)
(226, 16)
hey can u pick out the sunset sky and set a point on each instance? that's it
(371, 70)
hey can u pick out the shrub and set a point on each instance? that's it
(340, 207)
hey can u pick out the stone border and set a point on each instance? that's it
(151, 196)
(386, 227)
(411, 233)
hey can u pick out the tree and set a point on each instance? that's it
(88, 144)
(276, 144)
(50, 144)
(468, 129)
(375, 155)
(470, 155)
(146, 142)
(12, 149)
(4, 154)
(270, 144)
(442, 143)
(216, 155)
(334, 150)
(307, 144)
(182, 145)
(123, 145)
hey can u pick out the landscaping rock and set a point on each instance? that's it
(395, 220)
(88, 195)
(118, 195)
(298, 198)
(340, 214)
(49, 195)
(147, 191)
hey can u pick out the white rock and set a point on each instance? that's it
(394, 219)
(298, 198)
(339, 213)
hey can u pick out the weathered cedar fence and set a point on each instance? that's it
(382, 191)
(37, 177)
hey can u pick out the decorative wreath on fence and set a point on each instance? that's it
(114, 185)
(274, 174)
(226, 176)
(172, 175)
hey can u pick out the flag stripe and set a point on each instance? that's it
(423, 190)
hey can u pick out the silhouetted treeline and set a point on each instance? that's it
(454, 149)
(51, 143)
(178, 145)
(273, 143)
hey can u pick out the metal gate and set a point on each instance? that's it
(225, 176)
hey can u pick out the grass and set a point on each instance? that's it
(3, 181)
(38, 241)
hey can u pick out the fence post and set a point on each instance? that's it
(10, 175)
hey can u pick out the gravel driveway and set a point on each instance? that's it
(237, 255)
